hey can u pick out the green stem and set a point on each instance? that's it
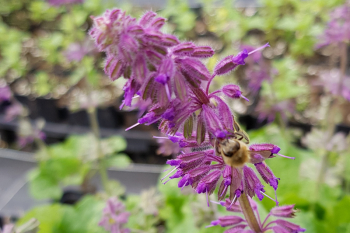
(101, 163)
(280, 122)
(321, 175)
(249, 213)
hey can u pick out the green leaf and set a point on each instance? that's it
(42, 186)
(113, 144)
(118, 161)
(83, 217)
(115, 188)
(42, 85)
(49, 216)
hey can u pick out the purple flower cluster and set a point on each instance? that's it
(172, 84)
(114, 217)
(203, 170)
(330, 79)
(338, 28)
(239, 224)
(170, 75)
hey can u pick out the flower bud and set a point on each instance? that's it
(287, 211)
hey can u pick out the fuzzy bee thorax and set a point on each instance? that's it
(234, 152)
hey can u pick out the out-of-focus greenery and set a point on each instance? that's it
(73, 163)
(320, 210)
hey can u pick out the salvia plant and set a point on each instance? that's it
(169, 79)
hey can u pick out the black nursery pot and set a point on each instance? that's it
(110, 117)
(70, 197)
(44, 108)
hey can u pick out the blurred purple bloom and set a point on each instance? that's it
(8, 228)
(13, 111)
(330, 79)
(257, 70)
(338, 28)
(239, 224)
(24, 140)
(76, 51)
(269, 112)
(114, 216)
(317, 139)
(167, 147)
(64, 2)
(5, 94)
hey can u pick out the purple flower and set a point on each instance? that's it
(64, 2)
(268, 112)
(330, 79)
(167, 147)
(338, 28)
(233, 91)
(239, 224)
(76, 51)
(13, 111)
(229, 63)
(202, 170)
(114, 217)
(256, 70)
(286, 211)
(5, 94)
(157, 65)
(8, 228)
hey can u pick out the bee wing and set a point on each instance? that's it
(239, 133)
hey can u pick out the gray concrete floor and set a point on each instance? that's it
(14, 193)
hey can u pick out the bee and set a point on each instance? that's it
(234, 150)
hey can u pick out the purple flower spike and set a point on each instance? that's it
(337, 29)
(114, 216)
(287, 211)
(233, 91)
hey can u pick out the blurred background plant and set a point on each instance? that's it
(51, 76)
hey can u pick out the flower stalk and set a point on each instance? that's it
(96, 131)
(249, 213)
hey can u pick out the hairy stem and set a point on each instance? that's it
(101, 163)
(249, 213)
